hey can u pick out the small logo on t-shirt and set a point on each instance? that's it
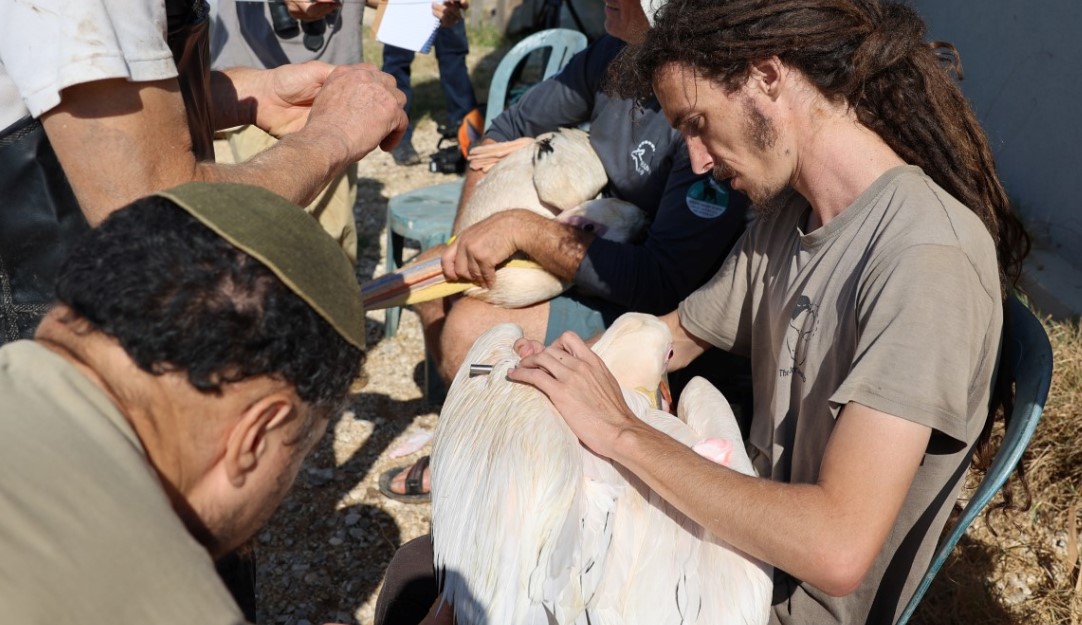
(708, 199)
(640, 157)
(803, 323)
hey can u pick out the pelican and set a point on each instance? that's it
(530, 527)
(559, 177)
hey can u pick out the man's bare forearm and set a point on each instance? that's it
(556, 246)
(828, 533)
(311, 160)
(119, 141)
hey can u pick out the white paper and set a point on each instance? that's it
(408, 24)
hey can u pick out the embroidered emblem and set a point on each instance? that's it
(640, 157)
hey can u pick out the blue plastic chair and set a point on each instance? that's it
(426, 215)
(1029, 362)
(564, 44)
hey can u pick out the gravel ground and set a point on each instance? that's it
(323, 555)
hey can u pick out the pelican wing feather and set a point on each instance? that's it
(530, 527)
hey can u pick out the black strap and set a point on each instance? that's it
(39, 222)
(415, 477)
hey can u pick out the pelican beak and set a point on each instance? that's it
(665, 396)
(420, 282)
(660, 398)
(412, 284)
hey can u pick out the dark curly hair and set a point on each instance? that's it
(178, 297)
(872, 56)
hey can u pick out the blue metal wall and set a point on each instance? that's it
(1022, 61)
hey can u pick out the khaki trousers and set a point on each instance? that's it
(333, 207)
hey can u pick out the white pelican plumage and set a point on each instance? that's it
(530, 527)
(558, 177)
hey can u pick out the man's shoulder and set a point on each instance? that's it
(117, 40)
(81, 487)
(923, 212)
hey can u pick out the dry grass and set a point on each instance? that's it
(1023, 567)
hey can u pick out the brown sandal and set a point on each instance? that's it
(415, 492)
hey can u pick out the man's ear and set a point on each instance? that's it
(767, 76)
(248, 440)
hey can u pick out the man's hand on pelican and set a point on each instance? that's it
(581, 387)
(474, 254)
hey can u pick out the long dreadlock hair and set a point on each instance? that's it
(872, 56)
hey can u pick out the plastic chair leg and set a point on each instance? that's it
(395, 244)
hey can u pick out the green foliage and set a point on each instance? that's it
(484, 36)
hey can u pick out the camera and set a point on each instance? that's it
(284, 25)
(287, 28)
(448, 160)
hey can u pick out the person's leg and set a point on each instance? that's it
(585, 316)
(247, 141)
(410, 586)
(451, 329)
(396, 62)
(332, 208)
(451, 50)
(469, 318)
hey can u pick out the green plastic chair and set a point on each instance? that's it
(1029, 362)
(426, 215)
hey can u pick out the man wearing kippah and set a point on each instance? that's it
(202, 338)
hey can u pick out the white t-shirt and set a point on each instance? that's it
(48, 45)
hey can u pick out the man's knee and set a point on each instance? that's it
(410, 586)
(469, 318)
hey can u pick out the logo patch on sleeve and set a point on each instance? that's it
(708, 199)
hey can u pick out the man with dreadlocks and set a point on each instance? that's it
(869, 293)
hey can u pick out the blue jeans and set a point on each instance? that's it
(451, 49)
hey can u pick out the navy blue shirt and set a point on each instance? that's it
(694, 219)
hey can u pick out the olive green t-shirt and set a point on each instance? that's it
(87, 534)
(894, 304)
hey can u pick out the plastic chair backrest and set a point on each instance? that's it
(564, 42)
(1029, 358)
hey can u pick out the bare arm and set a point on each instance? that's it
(827, 533)
(119, 140)
(685, 345)
(477, 250)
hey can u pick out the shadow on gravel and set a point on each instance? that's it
(960, 594)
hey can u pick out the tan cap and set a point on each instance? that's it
(287, 240)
